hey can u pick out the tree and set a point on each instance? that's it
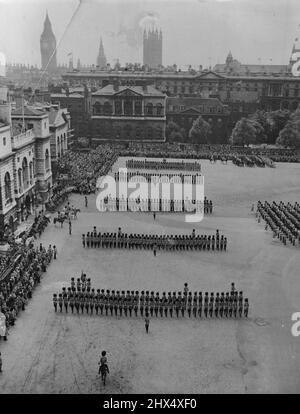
(177, 137)
(171, 128)
(262, 126)
(289, 136)
(277, 121)
(260, 136)
(244, 132)
(199, 131)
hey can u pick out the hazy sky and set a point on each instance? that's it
(194, 31)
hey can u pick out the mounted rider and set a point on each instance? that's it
(103, 363)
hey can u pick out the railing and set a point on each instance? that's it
(22, 139)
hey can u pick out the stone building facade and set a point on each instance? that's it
(128, 113)
(184, 111)
(25, 162)
(241, 92)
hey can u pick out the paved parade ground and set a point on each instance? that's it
(58, 353)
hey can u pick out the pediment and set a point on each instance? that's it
(190, 111)
(210, 75)
(127, 92)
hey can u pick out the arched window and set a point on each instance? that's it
(47, 160)
(149, 109)
(107, 109)
(97, 108)
(25, 172)
(20, 180)
(30, 171)
(159, 109)
(7, 186)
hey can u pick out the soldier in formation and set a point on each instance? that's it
(170, 242)
(84, 299)
(282, 219)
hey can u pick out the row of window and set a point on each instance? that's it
(25, 176)
(127, 108)
(201, 108)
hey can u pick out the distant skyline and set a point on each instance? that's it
(195, 32)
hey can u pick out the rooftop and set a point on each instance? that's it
(57, 117)
(28, 111)
(148, 90)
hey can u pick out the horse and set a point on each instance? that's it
(74, 212)
(59, 220)
(103, 371)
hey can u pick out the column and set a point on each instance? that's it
(133, 110)
(122, 106)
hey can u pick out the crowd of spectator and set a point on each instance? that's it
(23, 275)
(205, 151)
(83, 168)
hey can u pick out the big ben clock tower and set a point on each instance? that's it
(48, 47)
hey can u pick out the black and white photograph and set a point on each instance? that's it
(149, 199)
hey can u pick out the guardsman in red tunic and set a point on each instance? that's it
(66, 302)
(72, 303)
(161, 307)
(136, 303)
(60, 302)
(102, 296)
(165, 304)
(151, 305)
(77, 302)
(116, 301)
(82, 301)
(106, 303)
(72, 284)
(246, 308)
(189, 304)
(111, 302)
(55, 301)
(226, 305)
(87, 302)
(195, 304)
(206, 300)
(221, 304)
(142, 301)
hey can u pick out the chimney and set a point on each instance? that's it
(5, 112)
